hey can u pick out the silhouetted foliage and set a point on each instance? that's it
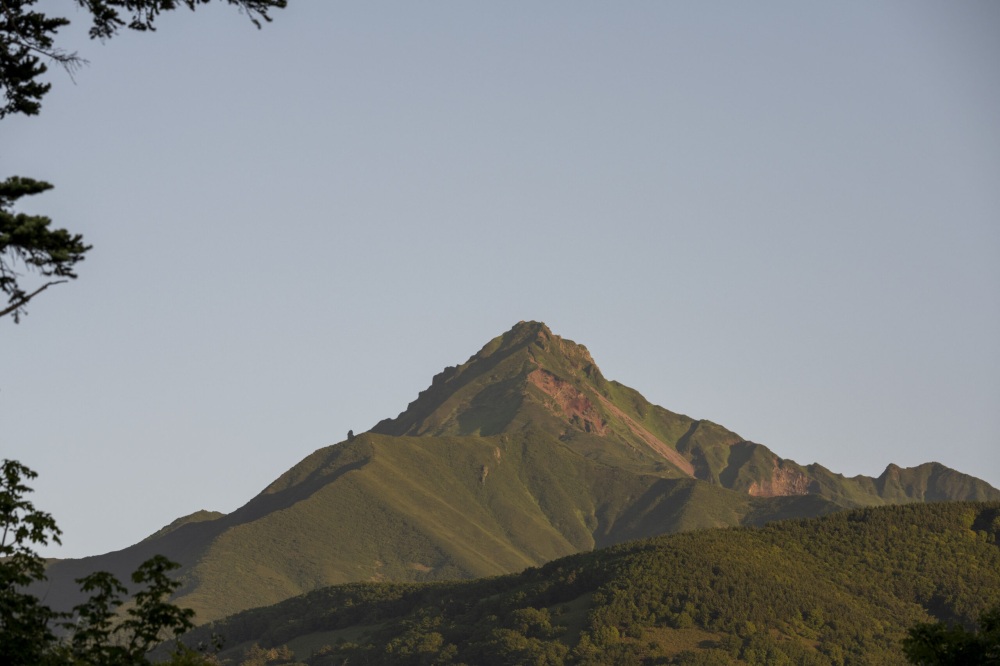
(24, 621)
(98, 634)
(28, 36)
(27, 242)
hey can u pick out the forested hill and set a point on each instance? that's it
(841, 589)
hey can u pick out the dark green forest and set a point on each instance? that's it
(841, 589)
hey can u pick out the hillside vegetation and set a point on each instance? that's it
(841, 589)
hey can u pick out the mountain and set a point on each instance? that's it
(522, 454)
(840, 589)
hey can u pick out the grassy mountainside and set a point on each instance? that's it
(522, 454)
(428, 508)
(841, 589)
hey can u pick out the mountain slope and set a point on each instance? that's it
(523, 454)
(425, 508)
(839, 589)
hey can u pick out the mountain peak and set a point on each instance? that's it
(530, 378)
(535, 335)
(485, 394)
(529, 330)
(541, 337)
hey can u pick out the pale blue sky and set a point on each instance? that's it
(783, 217)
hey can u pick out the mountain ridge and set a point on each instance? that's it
(533, 365)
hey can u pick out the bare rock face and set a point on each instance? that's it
(785, 480)
(573, 403)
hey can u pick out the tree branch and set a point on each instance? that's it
(71, 62)
(24, 299)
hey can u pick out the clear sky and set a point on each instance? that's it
(783, 217)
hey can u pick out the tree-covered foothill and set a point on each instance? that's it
(98, 632)
(28, 43)
(841, 589)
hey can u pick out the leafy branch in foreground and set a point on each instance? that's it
(24, 620)
(27, 242)
(98, 633)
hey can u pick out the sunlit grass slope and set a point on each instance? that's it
(440, 508)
